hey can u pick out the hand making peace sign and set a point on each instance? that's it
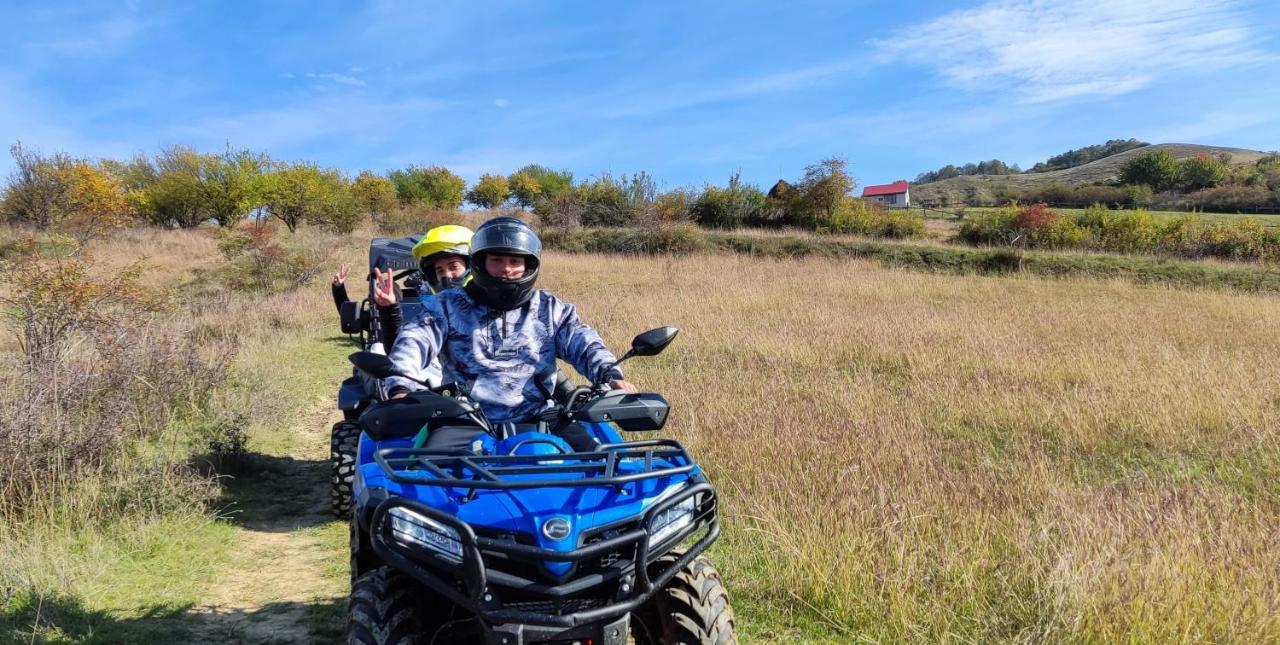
(384, 288)
(341, 276)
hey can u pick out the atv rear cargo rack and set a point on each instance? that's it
(645, 459)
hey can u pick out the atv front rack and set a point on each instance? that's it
(614, 464)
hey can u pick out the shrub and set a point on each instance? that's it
(103, 361)
(256, 261)
(1089, 195)
(604, 202)
(858, 217)
(1201, 171)
(674, 206)
(993, 228)
(1138, 195)
(1230, 199)
(417, 219)
(1033, 226)
(433, 187)
(1155, 168)
(564, 209)
(1240, 240)
(735, 205)
(1121, 231)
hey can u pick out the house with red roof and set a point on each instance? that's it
(895, 195)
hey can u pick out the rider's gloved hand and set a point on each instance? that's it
(624, 385)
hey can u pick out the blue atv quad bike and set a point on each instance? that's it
(360, 320)
(517, 539)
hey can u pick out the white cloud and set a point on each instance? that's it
(502, 103)
(337, 78)
(1053, 50)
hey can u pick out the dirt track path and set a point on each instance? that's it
(288, 582)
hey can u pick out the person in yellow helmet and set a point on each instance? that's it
(444, 257)
(444, 260)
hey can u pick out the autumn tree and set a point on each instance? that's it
(374, 194)
(534, 182)
(433, 186)
(176, 197)
(490, 192)
(1201, 171)
(34, 187)
(298, 192)
(228, 183)
(821, 193)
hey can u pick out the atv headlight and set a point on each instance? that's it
(414, 528)
(671, 521)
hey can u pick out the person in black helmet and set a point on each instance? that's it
(503, 336)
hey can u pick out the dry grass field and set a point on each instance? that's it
(902, 456)
(920, 457)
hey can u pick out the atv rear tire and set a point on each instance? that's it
(693, 609)
(343, 443)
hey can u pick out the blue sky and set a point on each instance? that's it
(688, 91)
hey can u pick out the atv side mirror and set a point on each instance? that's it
(377, 365)
(652, 342)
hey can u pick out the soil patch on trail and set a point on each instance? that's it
(284, 585)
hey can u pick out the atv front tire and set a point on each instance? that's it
(693, 609)
(389, 608)
(343, 443)
(385, 609)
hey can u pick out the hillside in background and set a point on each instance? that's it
(1102, 171)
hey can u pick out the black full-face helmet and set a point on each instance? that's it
(504, 236)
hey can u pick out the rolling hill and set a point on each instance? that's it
(1103, 170)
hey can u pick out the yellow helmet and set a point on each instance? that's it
(449, 239)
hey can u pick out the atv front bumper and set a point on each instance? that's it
(612, 577)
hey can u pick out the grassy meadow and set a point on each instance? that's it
(901, 455)
(907, 456)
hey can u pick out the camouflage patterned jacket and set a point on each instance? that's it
(509, 358)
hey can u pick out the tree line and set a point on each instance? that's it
(180, 187)
(1068, 159)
